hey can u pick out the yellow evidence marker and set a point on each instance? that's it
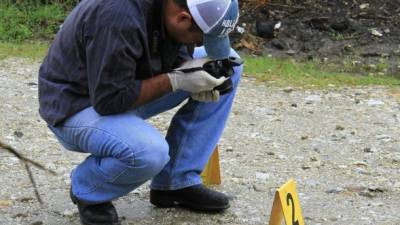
(211, 174)
(286, 205)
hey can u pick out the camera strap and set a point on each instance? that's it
(190, 70)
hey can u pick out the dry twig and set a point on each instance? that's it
(26, 162)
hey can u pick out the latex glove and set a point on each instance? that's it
(193, 82)
(206, 96)
(194, 63)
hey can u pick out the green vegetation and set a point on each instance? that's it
(283, 72)
(278, 72)
(32, 50)
(26, 27)
(30, 21)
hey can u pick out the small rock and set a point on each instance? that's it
(375, 32)
(51, 166)
(312, 98)
(37, 223)
(294, 105)
(259, 188)
(265, 28)
(333, 219)
(13, 160)
(305, 167)
(373, 102)
(355, 188)
(5, 203)
(69, 212)
(304, 137)
(335, 190)
(312, 183)
(368, 150)
(20, 215)
(348, 48)
(383, 137)
(359, 163)
(25, 199)
(313, 159)
(288, 90)
(339, 127)
(240, 29)
(291, 52)
(368, 194)
(364, 6)
(377, 189)
(18, 134)
(262, 176)
(362, 171)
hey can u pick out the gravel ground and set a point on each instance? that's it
(341, 145)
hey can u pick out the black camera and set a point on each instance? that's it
(220, 68)
(223, 67)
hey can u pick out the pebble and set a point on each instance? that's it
(355, 188)
(69, 212)
(335, 190)
(37, 223)
(312, 98)
(373, 102)
(288, 90)
(368, 150)
(5, 203)
(18, 134)
(259, 188)
(339, 127)
(262, 176)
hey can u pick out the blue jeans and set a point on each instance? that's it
(126, 151)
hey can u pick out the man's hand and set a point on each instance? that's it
(194, 63)
(196, 81)
(206, 96)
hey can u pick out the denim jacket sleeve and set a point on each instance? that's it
(112, 53)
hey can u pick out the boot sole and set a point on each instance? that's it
(173, 202)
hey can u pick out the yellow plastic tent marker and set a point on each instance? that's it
(211, 174)
(286, 206)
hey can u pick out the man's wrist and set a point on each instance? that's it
(172, 80)
(153, 88)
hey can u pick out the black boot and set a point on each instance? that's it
(95, 214)
(197, 197)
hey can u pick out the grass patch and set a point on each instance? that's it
(277, 72)
(284, 72)
(22, 22)
(31, 50)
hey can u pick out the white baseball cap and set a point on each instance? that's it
(216, 18)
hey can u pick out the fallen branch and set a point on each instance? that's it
(28, 170)
(24, 159)
(26, 162)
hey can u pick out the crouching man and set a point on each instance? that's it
(112, 65)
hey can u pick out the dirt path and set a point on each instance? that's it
(342, 146)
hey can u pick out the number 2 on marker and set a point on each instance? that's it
(290, 201)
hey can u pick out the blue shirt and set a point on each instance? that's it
(102, 52)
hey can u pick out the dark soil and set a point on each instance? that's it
(359, 36)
